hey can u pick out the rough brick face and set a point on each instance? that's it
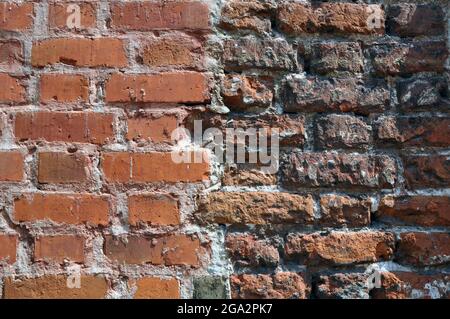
(11, 55)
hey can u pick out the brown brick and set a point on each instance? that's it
(344, 211)
(247, 251)
(157, 129)
(64, 88)
(13, 91)
(426, 171)
(154, 209)
(340, 248)
(98, 52)
(8, 247)
(282, 285)
(343, 286)
(11, 166)
(11, 55)
(81, 127)
(144, 16)
(63, 168)
(256, 208)
(62, 208)
(157, 288)
(416, 210)
(424, 249)
(54, 287)
(168, 250)
(254, 15)
(60, 13)
(153, 167)
(187, 87)
(59, 248)
(16, 16)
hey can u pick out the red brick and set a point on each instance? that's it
(16, 16)
(11, 55)
(424, 249)
(282, 285)
(13, 91)
(154, 209)
(152, 167)
(59, 248)
(168, 250)
(8, 247)
(144, 16)
(153, 128)
(62, 208)
(426, 171)
(157, 288)
(248, 251)
(188, 87)
(64, 88)
(59, 13)
(54, 287)
(255, 15)
(11, 166)
(417, 210)
(106, 52)
(80, 127)
(63, 168)
(340, 248)
(339, 211)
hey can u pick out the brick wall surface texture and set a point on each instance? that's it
(91, 91)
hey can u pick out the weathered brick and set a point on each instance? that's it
(64, 88)
(167, 250)
(256, 208)
(157, 288)
(340, 248)
(154, 209)
(313, 94)
(8, 247)
(426, 171)
(80, 52)
(414, 131)
(59, 248)
(297, 18)
(246, 93)
(61, 16)
(247, 251)
(342, 131)
(63, 168)
(422, 94)
(247, 175)
(282, 285)
(424, 249)
(16, 16)
(251, 52)
(394, 58)
(13, 90)
(338, 170)
(210, 287)
(54, 287)
(153, 167)
(343, 286)
(412, 285)
(416, 210)
(144, 16)
(11, 166)
(410, 20)
(62, 208)
(344, 211)
(156, 128)
(11, 55)
(254, 15)
(81, 127)
(187, 87)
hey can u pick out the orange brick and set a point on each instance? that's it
(54, 287)
(64, 88)
(152, 167)
(12, 90)
(60, 13)
(8, 246)
(154, 16)
(156, 129)
(11, 55)
(62, 208)
(11, 166)
(187, 87)
(16, 16)
(81, 127)
(56, 167)
(155, 209)
(157, 288)
(106, 52)
(59, 248)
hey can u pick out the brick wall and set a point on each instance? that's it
(358, 89)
